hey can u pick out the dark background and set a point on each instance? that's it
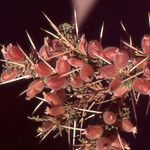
(16, 131)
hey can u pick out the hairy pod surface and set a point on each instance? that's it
(87, 73)
(145, 44)
(13, 53)
(56, 82)
(42, 69)
(34, 88)
(93, 132)
(109, 117)
(141, 85)
(9, 75)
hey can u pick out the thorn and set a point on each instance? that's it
(131, 42)
(76, 22)
(72, 128)
(134, 109)
(52, 34)
(70, 72)
(149, 18)
(42, 99)
(103, 59)
(142, 61)
(63, 53)
(135, 75)
(102, 31)
(31, 41)
(25, 55)
(119, 138)
(123, 27)
(48, 133)
(22, 93)
(90, 111)
(16, 79)
(148, 107)
(57, 30)
(11, 62)
(37, 107)
(46, 63)
(74, 132)
(133, 48)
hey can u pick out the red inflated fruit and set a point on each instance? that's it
(55, 111)
(103, 143)
(94, 47)
(121, 59)
(110, 53)
(115, 142)
(127, 126)
(56, 82)
(76, 82)
(145, 44)
(114, 84)
(13, 53)
(121, 90)
(34, 88)
(147, 71)
(53, 98)
(9, 74)
(94, 132)
(75, 62)
(87, 73)
(108, 72)
(62, 66)
(109, 117)
(83, 45)
(46, 49)
(141, 85)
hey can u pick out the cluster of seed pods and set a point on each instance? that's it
(78, 78)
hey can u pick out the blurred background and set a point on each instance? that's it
(16, 131)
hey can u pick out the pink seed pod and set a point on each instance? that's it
(136, 60)
(9, 74)
(86, 73)
(108, 72)
(109, 117)
(75, 62)
(34, 88)
(115, 83)
(115, 142)
(46, 49)
(110, 53)
(42, 69)
(55, 111)
(145, 44)
(147, 71)
(103, 143)
(76, 82)
(83, 45)
(127, 126)
(94, 47)
(56, 82)
(141, 85)
(121, 59)
(101, 55)
(94, 132)
(62, 66)
(62, 94)
(13, 53)
(53, 98)
(57, 45)
(123, 89)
